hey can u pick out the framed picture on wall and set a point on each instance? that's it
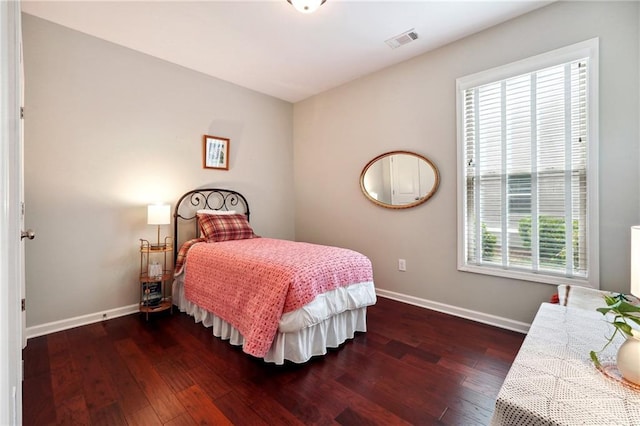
(215, 152)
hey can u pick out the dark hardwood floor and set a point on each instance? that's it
(413, 366)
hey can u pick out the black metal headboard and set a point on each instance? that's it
(205, 198)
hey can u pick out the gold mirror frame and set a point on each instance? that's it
(422, 198)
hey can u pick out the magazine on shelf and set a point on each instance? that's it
(152, 293)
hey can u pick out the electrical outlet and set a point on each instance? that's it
(402, 265)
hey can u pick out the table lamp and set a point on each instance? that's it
(635, 260)
(158, 214)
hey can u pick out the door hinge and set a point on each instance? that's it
(21, 112)
(23, 305)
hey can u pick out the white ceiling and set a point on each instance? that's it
(268, 46)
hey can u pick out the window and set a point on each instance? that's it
(519, 192)
(527, 146)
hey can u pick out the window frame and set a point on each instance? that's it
(590, 49)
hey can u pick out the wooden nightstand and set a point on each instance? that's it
(155, 276)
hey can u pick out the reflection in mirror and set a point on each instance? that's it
(399, 179)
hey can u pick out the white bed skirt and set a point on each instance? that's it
(297, 346)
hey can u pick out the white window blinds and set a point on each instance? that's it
(525, 195)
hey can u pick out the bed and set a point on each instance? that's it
(279, 300)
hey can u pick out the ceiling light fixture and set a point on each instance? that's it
(306, 6)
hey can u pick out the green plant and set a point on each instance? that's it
(488, 242)
(624, 314)
(551, 230)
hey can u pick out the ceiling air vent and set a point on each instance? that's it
(402, 39)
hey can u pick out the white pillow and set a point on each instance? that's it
(207, 211)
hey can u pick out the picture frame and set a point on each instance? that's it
(215, 152)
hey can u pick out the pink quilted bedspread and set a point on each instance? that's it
(251, 283)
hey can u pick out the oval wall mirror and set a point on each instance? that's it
(399, 179)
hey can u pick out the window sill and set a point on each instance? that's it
(529, 276)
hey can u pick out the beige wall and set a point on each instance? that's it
(109, 130)
(411, 106)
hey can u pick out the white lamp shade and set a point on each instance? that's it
(635, 260)
(306, 6)
(158, 214)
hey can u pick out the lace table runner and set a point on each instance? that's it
(553, 381)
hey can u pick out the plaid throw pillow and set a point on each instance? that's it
(216, 228)
(182, 254)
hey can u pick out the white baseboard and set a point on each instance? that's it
(52, 327)
(521, 327)
(494, 320)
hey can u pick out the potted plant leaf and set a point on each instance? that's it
(624, 315)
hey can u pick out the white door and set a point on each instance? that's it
(405, 179)
(19, 177)
(11, 248)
